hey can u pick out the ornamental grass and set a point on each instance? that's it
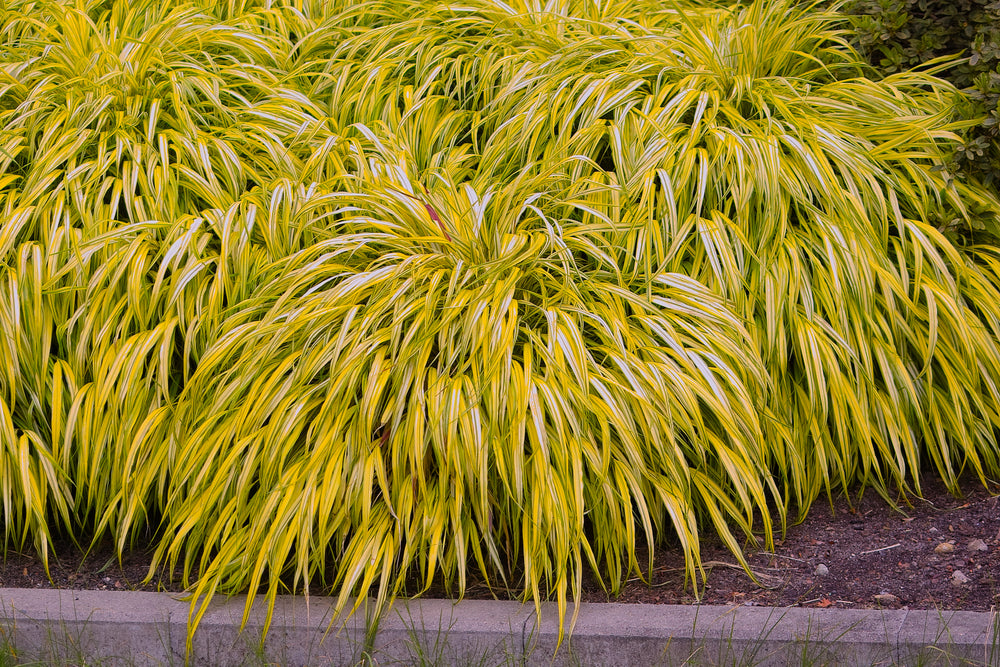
(333, 296)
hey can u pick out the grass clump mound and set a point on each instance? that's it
(395, 289)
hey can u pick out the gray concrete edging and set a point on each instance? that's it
(136, 628)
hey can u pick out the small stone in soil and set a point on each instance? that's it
(978, 545)
(822, 570)
(958, 578)
(944, 548)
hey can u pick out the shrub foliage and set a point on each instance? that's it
(332, 295)
(898, 35)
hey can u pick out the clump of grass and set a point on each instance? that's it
(391, 288)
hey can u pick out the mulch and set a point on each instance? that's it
(942, 552)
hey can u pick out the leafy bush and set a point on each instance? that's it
(902, 34)
(349, 293)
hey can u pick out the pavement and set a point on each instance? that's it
(66, 627)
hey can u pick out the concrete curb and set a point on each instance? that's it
(126, 628)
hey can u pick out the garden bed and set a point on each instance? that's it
(874, 555)
(363, 292)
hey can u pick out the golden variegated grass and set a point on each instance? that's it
(333, 295)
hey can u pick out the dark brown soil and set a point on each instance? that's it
(867, 548)
(73, 569)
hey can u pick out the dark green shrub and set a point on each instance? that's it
(900, 34)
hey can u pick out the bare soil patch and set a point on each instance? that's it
(871, 554)
(941, 553)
